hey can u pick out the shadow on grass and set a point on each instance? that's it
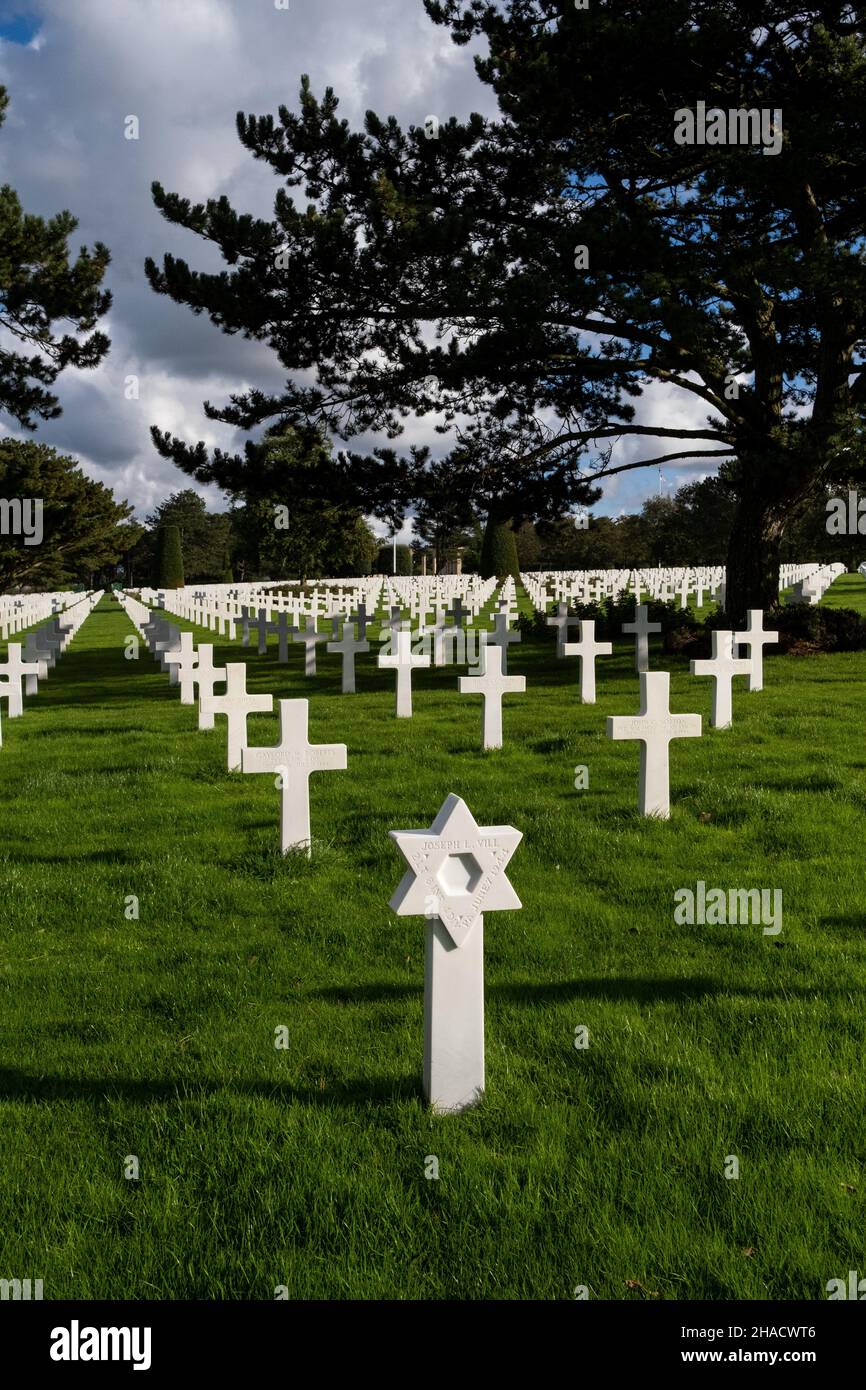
(97, 856)
(643, 991)
(351, 1091)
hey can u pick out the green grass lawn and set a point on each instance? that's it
(849, 591)
(305, 1167)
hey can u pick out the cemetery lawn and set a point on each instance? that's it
(305, 1167)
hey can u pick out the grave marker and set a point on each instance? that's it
(641, 629)
(295, 759)
(12, 677)
(587, 649)
(205, 677)
(310, 637)
(491, 683)
(456, 874)
(654, 726)
(722, 667)
(503, 635)
(236, 704)
(182, 661)
(349, 646)
(562, 622)
(264, 627)
(404, 661)
(756, 638)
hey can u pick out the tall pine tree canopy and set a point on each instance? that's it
(447, 273)
(40, 288)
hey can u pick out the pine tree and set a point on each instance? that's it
(574, 253)
(39, 285)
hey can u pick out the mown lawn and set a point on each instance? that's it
(305, 1167)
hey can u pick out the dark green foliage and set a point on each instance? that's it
(84, 530)
(168, 572)
(289, 523)
(206, 537)
(385, 560)
(41, 286)
(709, 264)
(499, 550)
(803, 628)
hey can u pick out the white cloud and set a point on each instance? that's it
(184, 68)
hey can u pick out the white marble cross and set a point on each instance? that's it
(394, 620)
(244, 623)
(439, 631)
(360, 615)
(404, 662)
(457, 612)
(264, 627)
(587, 649)
(349, 646)
(641, 629)
(722, 667)
(756, 638)
(456, 874)
(309, 636)
(181, 659)
(562, 622)
(12, 676)
(654, 726)
(503, 635)
(48, 645)
(32, 657)
(205, 677)
(285, 633)
(236, 704)
(294, 758)
(162, 638)
(491, 682)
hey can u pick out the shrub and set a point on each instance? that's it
(499, 551)
(169, 559)
(804, 629)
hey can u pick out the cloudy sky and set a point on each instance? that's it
(76, 69)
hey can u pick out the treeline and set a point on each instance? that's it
(183, 543)
(689, 528)
(87, 537)
(692, 527)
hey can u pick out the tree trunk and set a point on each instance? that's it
(753, 558)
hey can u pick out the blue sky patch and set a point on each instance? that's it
(17, 26)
